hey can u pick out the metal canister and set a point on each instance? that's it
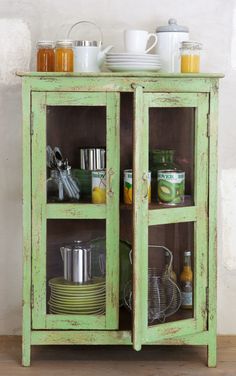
(170, 186)
(128, 186)
(92, 159)
(99, 187)
(77, 262)
(81, 265)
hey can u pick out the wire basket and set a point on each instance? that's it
(164, 296)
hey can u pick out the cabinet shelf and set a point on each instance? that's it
(76, 211)
(173, 215)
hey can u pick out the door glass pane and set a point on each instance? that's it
(171, 156)
(76, 266)
(170, 272)
(80, 134)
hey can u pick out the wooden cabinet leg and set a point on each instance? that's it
(212, 353)
(26, 351)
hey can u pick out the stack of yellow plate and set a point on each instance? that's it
(77, 299)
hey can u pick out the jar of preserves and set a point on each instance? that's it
(45, 56)
(190, 56)
(64, 56)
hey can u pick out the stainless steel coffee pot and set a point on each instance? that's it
(77, 262)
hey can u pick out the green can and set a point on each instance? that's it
(170, 186)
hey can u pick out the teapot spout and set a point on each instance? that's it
(102, 54)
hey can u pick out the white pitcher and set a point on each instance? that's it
(88, 55)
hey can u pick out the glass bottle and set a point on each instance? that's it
(45, 56)
(190, 57)
(186, 282)
(64, 56)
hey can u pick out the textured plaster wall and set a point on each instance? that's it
(211, 22)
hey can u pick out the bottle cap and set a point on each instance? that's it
(187, 253)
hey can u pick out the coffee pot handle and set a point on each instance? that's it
(88, 22)
(62, 252)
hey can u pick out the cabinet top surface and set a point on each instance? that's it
(121, 74)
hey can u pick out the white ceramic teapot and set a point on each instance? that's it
(88, 55)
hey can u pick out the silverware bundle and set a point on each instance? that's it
(55, 161)
(92, 159)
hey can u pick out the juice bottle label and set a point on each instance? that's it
(187, 298)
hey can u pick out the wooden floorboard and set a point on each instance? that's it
(116, 361)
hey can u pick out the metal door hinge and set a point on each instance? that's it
(31, 123)
(207, 299)
(208, 125)
(32, 297)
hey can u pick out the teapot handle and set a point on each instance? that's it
(88, 22)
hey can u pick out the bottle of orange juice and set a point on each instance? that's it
(186, 282)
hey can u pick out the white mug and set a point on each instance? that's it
(136, 41)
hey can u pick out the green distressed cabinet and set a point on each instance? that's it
(129, 114)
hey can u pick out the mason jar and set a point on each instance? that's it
(64, 56)
(190, 53)
(45, 56)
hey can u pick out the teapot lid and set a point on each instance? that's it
(172, 27)
(88, 43)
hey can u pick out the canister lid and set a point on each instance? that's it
(74, 245)
(65, 43)
(45, 44)
(191, 45)
(87, 43)
(172, 27)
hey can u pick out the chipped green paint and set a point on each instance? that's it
(27, 286)
(196, 214)
(41, 211)
(70, 211)
(150, 90)
(212, 282)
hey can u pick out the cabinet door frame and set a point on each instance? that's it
(41, 211)
(142, 217)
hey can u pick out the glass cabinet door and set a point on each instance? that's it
(75, 210)
(170, 244)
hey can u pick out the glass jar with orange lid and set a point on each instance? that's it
(190, 56)
(45, 56)
(64, 56)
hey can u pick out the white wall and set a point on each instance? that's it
(211, 22)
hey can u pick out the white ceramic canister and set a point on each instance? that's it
(168, 44)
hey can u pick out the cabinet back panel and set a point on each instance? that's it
(71, 128)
